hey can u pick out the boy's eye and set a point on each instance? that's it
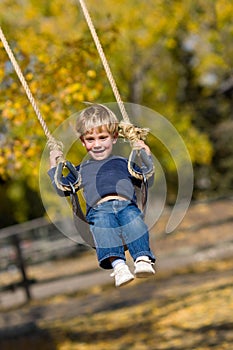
(89, 139)
(92, 139)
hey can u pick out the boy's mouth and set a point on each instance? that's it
(98, 151)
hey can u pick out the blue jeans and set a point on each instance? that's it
(115, 224)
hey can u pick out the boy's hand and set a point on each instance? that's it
(54, 156)
(141, 144)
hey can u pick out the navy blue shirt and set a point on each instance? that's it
(101, 178)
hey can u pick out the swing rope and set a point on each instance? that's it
(126, 129)
(104, 61)
(53, 143)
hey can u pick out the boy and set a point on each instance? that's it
(112, 212)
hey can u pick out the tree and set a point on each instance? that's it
(58, 63)
(174, 57)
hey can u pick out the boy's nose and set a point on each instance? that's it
(97, 143)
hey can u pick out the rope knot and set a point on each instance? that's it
(132, 132)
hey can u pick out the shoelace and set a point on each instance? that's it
(120, 270)
(144, 260)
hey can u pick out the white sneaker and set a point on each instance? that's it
(143, 267)
(122, 275)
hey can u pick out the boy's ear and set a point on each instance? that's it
(115, 137)
(81, 139)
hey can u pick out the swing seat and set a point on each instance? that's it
(79, 217)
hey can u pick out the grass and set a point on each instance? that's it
(180, 309)
(190, 308)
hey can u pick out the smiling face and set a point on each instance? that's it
(99, 142)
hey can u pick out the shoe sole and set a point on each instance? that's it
(125, 283)
(144, 274)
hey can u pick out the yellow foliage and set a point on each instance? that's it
(2, 73)
(91, 73)
(142, 42)
(2, 162)
(73, 88)
(200, 149)
(224, 10)
(171, 43)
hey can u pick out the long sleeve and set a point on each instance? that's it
(66, 180)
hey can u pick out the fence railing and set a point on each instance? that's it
(30, 243)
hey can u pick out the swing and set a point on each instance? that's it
(126, 130)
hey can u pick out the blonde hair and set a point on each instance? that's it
(96, 116)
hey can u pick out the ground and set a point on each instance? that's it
(188, 305)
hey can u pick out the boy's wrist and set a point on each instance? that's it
(53, 165)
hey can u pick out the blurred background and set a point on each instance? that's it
(175, 57)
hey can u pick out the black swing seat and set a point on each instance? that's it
(143, 172)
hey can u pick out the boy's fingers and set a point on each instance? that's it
(56, 154)
(141, 144)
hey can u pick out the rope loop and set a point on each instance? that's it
(62, 163)
(71, 187)
(146, 167)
